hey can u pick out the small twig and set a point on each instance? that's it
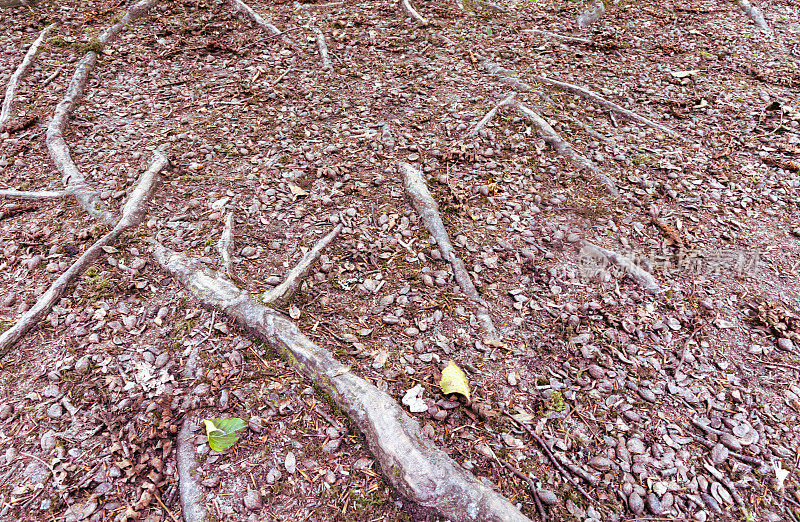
(52, 77)
(25, 194)
(158, 498)
(225, 244)
(744, 458)
(248, 12)
(569, 39)
(550, 456)
(531, 484)
(282, 76)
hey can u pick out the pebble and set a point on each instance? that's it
(6, 411)
(290, 463)
(654, 504)
(255, 424)
(719, 453)
(273, 475)
(636, 446)
(785, 344)
(647, 394)
(202, 389)
(600, 463)
(252, 500)
(596, 371)
(48, 441)
(55, 411)
(211, 482)
(547, 497)
(635, 503)
(730, 441)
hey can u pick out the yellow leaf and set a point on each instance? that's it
(210, 428)
(454, 380)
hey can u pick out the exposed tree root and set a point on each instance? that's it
(428, 211)
(408, 8)
(281, 294)
(73, 178)
(35, 194)
(508, 76)
(556, 36)
(133, 212)
(552, 138)
(409, 461)
(249, 13)
(22, 70)
(592, 14)
(189, 486)
(754, 14)
(323, 50)
(489, 115)
(639, 275)
(226, 244)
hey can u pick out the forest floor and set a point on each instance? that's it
(617, 380)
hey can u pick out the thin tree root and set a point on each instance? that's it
(248, 12)
(509, 77)
(22, 70)
(489, 115)
(408, 8)
(72, 178)
(531, 484)
(428, 211)
(639, 275)
(281, 294)
(549, 454)
(409, 460)
(35, 194)
(562, 148)
(133, 212)
(191, 491)
(323, 50)
(225, 245)
(754, 14)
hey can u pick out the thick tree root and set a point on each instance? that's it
(409, 9)
(190, 489)
(133, 212)
(323, 50)
(248, 12)
(428, 211)
(508, 76)
(489, 115)
(22, 70)
(35, 194)
(564, 149)
(72, 178)
(754, 14)
(409, 460)
(281, 294)
(639, 275)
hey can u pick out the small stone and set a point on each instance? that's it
(55, 411)
(290, 463)
(709, 501)
(6, 411)
(547, 497)
(211, 482)
(785, 344)
(248, 251)
(332, 446)
(273, 475)
(202, 389)
(596, 371)
(647, 394)
(162, 360)
(252, 500)
(636, 446)
(635, 503)
(654, 504)
(51, 390)
(255, 424)
(730, 441)
(719, 453)
(82, 366)
(512, 378)
(600, 463)
(48, 441)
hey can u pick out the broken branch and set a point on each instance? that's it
(489, 115)
(36, 194)
(248, 12)
(639, 275)
(22, 70)
(323, 50)
(408, 8)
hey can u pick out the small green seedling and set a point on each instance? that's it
(223, 433)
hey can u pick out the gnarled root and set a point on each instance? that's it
(409, 460)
